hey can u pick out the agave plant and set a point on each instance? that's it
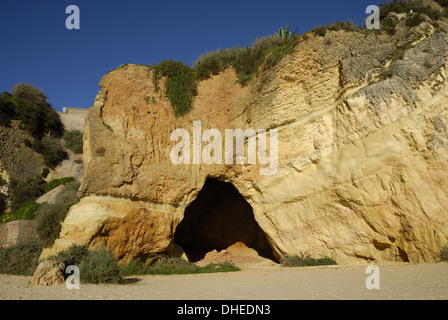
(284, 33)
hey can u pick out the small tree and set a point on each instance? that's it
(28, 92)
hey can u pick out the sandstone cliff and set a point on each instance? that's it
(362, 156)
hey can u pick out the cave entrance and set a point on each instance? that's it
(218, 218)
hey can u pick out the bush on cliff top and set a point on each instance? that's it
(181, 80)
(180, 87)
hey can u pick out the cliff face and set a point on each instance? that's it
(362, 154)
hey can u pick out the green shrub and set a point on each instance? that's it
(180, 87)
(50, 216)
(343, 25)
(27, 211)
(74, 255)
(49, 223)
(414, 20)
(51, 150)
(246, 61)
(73, 140)
(100, 266)
(57, 182)
(389, 25)
(168, 266)
(181, 80)
(320, 31)
(68, 196)
(173, 266)
(30, 188)
(406, 7)
(28, 92)
(21, 258)
(36, 115)
(305, 260)
(278, 52)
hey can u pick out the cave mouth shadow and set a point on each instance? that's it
(218, 218)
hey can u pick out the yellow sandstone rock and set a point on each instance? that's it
(362, 159)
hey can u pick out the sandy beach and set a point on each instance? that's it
(397, 281)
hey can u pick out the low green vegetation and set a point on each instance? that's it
(29, 107)
(266, 52)
(408, 6)
(28, 189)
(182, 80)
(247, 61)
(51, 215)
(418, 8)
(25, 193)
(73, 140)
(21, 258)
(26, 211)
(28, 104)
(305, 260)
(101, 266)
(180, 87)
(73, 255)
(57, 182)
(51, 150)
(166, 266)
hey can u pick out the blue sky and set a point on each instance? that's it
(68, 65)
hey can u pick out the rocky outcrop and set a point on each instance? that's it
(48, 273)
(362, 153)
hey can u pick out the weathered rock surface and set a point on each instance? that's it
(362, 150)
(48, 273)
